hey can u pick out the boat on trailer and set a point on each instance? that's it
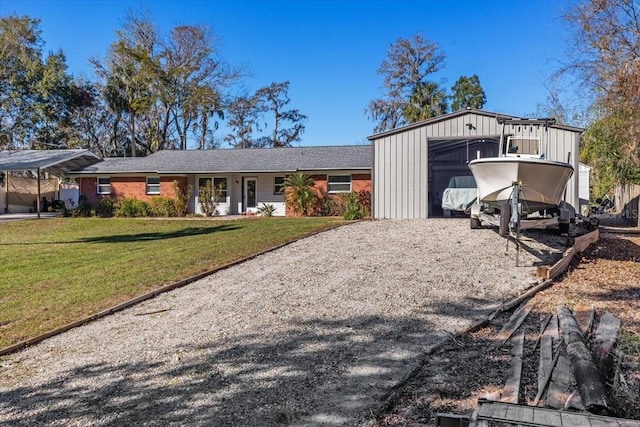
(521, 188)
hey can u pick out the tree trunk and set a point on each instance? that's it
(586, 373)
(132, 131)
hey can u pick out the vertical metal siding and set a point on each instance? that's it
(400, 161)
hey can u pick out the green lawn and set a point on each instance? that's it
(56, 271)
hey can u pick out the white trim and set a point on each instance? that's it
(339, 183)
(98, 185)
(147, 185)
(245, 199)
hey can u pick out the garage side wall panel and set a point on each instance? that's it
(400, 177)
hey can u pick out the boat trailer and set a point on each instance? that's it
(509, 217)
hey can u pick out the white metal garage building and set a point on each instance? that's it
(412, 165)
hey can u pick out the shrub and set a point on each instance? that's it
(164, 207)
(83, 209)
(267, 209)
(132, 208)
(299, 193)
(106, 207)
(352, 209)
(182, 198)
(208, 197)
(364, 201)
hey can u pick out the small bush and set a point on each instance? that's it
(105, 208)
(267, 209)
(182, 198)
(83, 209)
(364, 201)
(132, 208)
(352, 209)
(164, 207)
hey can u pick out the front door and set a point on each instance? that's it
(250, 194)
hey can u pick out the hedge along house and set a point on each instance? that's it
(247, 178)
(413, 165)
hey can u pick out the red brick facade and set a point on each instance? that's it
(133, 187)
(359, 182)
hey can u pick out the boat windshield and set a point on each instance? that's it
(523, 146)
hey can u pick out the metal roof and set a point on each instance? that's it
(455, 114)
(250, 160)
(57, 162)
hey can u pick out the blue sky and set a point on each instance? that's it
(330, 50)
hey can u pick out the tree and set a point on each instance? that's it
(169, 88)
(242, 119)
(128, 72)
(603, 147)
(37, 97)
(605, 55)
(427, 100)
(273, 99)
(408, 64)
(196, 77)
(300, 193)
(467, 93)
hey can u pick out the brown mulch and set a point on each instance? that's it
(606, 276)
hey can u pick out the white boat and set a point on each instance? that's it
(521, 167)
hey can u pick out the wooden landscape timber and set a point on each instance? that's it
(565, 361)
(590, 386)
(580, 243)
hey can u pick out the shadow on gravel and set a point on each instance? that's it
(322, 372)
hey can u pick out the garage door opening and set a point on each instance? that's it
(448, 169)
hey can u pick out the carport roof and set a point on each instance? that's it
(57, 162)
(250, 160)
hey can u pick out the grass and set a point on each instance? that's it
(56, 271)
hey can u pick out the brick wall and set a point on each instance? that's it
(359, 182)
(135, 187)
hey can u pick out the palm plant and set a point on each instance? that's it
(300, 193)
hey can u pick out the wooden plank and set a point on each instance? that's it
(571, 419)
(561, 380)
(584, 315)
(546, 356)
(583, 242)
(545, 417)
(518, 413)
(547, 272)
(511, 389)
(604, 343)
(514, 322)
(543, 325)
(590, 386)
(546, 380)
(579, 245)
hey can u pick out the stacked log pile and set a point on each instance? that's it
(574, 366)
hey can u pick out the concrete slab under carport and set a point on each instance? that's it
(25, 216)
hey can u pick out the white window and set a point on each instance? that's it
(220, 186)
(104, 186)
(338, 183)
(278, 185)
(153, 185)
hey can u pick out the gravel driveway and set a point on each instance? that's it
(311, 334)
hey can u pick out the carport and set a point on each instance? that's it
(55, 162)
